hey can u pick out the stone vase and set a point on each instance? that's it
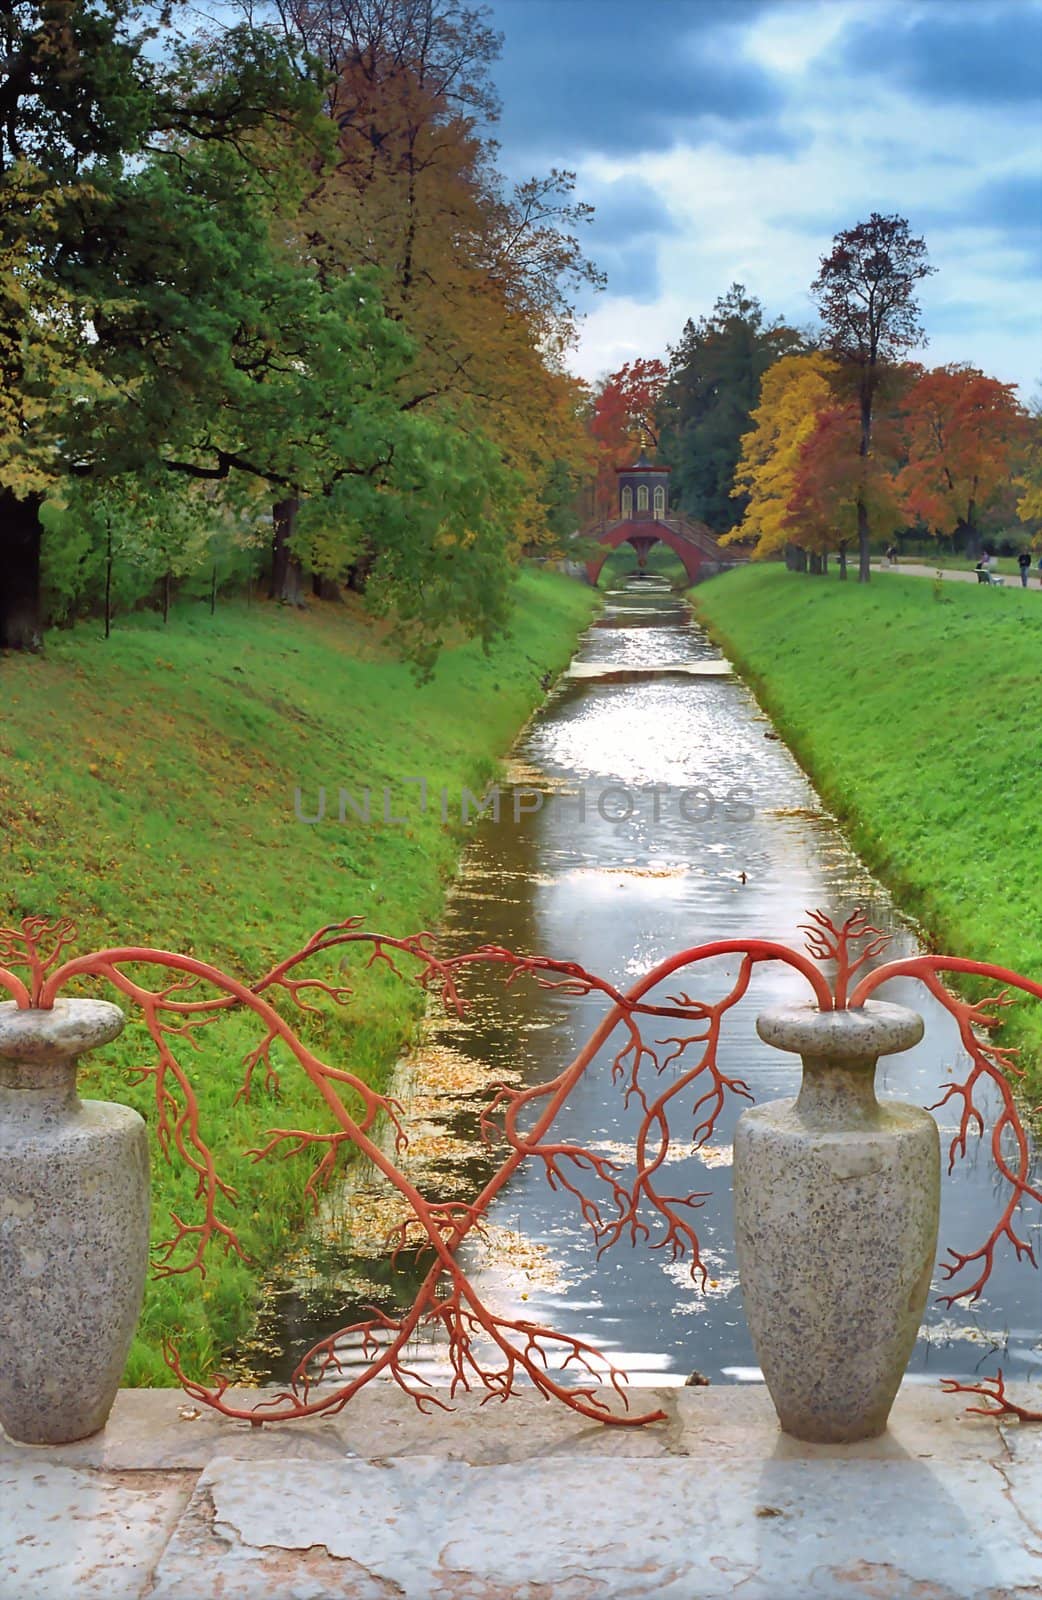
(837, 1198)
(74, 1215)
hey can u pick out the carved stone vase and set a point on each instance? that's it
(837, 1197)
(74, 1214)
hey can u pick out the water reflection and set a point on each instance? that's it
(620, 889)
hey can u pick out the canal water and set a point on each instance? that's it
(649, 807)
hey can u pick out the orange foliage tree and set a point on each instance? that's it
(964, 435)
(481, 274)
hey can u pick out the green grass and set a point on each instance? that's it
(917, 717)
(146, 790)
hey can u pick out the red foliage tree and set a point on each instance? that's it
(834, 482)
(625, 406)
(963, 434)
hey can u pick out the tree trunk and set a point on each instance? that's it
(108, 577)
(359, 570)
(20, 616)
(283, 518)
(166, 598)
(816, 564)
(864, 566)
(842, 561)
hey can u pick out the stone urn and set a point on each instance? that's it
(837, 1199)
(74, 1216)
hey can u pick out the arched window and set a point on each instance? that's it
(627, 503)
(660, 501)
(642, 497)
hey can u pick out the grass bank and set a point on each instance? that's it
(147, 791)
(916, 716)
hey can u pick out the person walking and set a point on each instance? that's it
(1024, 563)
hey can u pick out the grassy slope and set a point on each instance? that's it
(918, 720)
(146, 789)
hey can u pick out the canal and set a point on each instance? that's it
(649, 807)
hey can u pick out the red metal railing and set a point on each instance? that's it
(487, 1351)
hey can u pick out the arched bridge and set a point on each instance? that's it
(691, 541)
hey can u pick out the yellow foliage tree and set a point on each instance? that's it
(794, 391)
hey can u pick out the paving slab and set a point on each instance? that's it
(430, 1529)
(525, 1501)
(80, 1535)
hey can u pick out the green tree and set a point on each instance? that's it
(713, 388)
(183, 335)
(96, 131)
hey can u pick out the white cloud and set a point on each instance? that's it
(765, 218)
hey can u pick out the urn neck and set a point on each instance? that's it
(838, 1093)
(38, 1085)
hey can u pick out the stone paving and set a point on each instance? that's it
(524, 1501)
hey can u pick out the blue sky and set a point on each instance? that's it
(724, 140)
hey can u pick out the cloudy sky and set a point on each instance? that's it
(725, 140)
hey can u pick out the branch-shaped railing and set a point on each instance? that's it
(487, 1351)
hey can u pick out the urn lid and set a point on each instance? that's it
(861, 1033)
(68, 1030)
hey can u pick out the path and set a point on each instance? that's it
(522, 1500)
(916, 569)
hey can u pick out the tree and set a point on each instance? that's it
(712, 389)
(963, 436)
(624, 417)
(480, 275)
(793, 393)
(88, 117)
(865, 292)
(160, 323)
(833, 484)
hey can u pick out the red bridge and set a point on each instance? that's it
(644, 521)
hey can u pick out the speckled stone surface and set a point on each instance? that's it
(837, 1199)
(526, 1501)
(74, 1214)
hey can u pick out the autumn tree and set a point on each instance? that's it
(1029, 479)
(713, 388)
(481, 275)
(793, 393)
(624, 415)
(865, 292)
(834, 484)
(963, 435)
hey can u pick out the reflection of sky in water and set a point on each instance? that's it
(621, 895)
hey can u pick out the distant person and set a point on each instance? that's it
(1024, 563)
(891, 554)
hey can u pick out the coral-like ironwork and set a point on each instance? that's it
(991, 1389)
(677, 1074)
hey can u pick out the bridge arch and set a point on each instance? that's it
(643, 536)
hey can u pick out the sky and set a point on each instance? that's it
(730, 140)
